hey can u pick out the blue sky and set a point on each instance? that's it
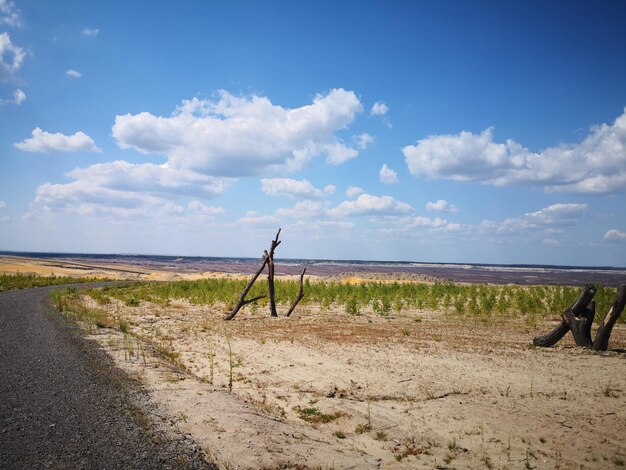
(435, 131)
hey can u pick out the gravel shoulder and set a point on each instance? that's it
(63, 403)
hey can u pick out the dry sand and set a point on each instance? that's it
(413, 391)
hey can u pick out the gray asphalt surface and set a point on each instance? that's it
(63, 404)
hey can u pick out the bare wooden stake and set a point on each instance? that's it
(300, 295)
(270, 275)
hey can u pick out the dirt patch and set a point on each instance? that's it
(325, 389)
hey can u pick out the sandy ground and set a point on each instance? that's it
(49, 267)
(324, 389)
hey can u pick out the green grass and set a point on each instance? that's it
(26, 281)
(314, 415)
(485, 301)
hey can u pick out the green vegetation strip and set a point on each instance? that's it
(383, 298)
(25, 281)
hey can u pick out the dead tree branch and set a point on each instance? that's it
(601, 342)
(242, 298)
(300, 295)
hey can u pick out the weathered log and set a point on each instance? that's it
(242, 298)
(601, 341)
(270, 275)
(580, 306)
(580, 326)
(300, 295)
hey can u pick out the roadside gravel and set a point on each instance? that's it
(63, 404)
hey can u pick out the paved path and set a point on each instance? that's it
(62, 402)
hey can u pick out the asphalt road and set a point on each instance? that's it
(63, 404)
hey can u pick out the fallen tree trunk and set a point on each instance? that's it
(300, 295)
(579, 319)
(601, 342)
(242, 298)
(554, 336)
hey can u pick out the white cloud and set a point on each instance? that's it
(552, 219)
(44, 142)
(3, 205)
(10, 14)
(73, 73)
(254, 218)
(239, 136)
(304, 210)
(354, 191)
(19, 97)
(441, 205)
(337, 153)
(551, 242)
(363, 140)
(436, 223)
(92, 32)
(301, 189)
(366, 204)
(11, 58)
(200, 208)
(387, 175)
(150, 178)
(379, 109)
(125, 189)
(84, 199)
(595, 165)
(321, 229)
(330, 189)
(615, 235)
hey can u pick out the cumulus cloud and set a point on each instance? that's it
(10, 14)
(441, 205)
(362, 140)
(44, 142)
(125, 190)
(354, 191)
(240, 136)
(387, 175)
(84, 199)
(338, 153)
(254, 218)
(366, 204)
(3, 205)
(301, 189)
(18, 98)
(615, 235)
(304, 210)
(73, 73)
(91, 32)
(552, 219)
(149, 178)
(379, 109)
(200, 208)
(11, 58)
(595, 165)
(436, 223)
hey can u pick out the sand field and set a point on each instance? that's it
(324, 389)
